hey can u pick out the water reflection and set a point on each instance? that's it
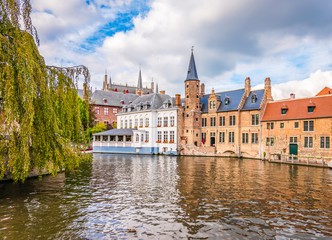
(162, 197)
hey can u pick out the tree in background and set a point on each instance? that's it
(41, 120)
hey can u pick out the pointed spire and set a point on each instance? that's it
(157, 88)
(139, 83)
(110, 86)
(192, 72)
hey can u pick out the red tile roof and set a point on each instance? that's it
(325, 91)
(298, 108)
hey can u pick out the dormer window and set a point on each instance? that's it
(122, 102)
(311, 109)
(212, 104)
(254, 98)
(284, 111)
(227, 101)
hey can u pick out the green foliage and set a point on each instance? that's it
(41, 118)
(100, 127)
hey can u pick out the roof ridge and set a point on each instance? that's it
(288, 99)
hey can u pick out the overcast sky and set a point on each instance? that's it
(288, 41)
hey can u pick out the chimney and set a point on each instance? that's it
(202, 89)
(162, 92)
(247, 87)
(152, 86)
(267, 88)
(178, 100)
(292, 96)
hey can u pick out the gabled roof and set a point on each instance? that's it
(249, 104)
(112, 98)
(234, 96)
(325, 91)
(192, 72)
(298, 108)
(155, 100)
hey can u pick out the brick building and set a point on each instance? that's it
(106, 104)
(298, 126)
(222, 123)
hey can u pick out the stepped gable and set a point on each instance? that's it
(112, 98)
(298, 109)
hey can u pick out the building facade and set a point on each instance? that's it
(151, 121)
(298, 126)
(106, 104)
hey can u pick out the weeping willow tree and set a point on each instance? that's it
(40, 126)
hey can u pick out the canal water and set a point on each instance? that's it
(162, 197)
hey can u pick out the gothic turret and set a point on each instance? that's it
(139, 83)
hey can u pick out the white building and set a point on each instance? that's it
(152, 121)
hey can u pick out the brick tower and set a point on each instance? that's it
(192, 111)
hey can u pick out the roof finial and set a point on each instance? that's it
(192, 48)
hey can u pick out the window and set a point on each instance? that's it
(222, 121)
(121, 124)
(97, 110)
(254, 119)
(293, 139)
(172, 120)
(213, 121)
(146, 122)
(308, 142)
(187, 96)
(281, 125)
(254, 138)
(105, 111)
(165, 136)
(269, 141)
(146, 136)
(159, 136)
(245, 137)
(120, 138)
(203, 122)
(284, 111)
(137, 138)
(130, 123)
(141, 122)
(222, 137)
(136, 123)
(159, 122)
(187, 85)
(296, 125)
(112, 138)
(187, 115)
(142, 137)
(253, 98)
(171, 136)
(126, 123)
(105, 138)
(212, 104)
(203, 138)
(270, 125)
(115, 110)
(128, 138)
(308, 126)
(231, 137)
(231, 120)
(97, 138)
(325, 142)
(165, 121)
(311, 109)
(227, 100)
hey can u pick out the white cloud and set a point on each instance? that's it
(232, 39)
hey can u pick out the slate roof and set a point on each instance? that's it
(298, 108)
(116, 132)
(192, 72)
(249, 105)
(234, 96)
(112, 98)
(154, 101)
